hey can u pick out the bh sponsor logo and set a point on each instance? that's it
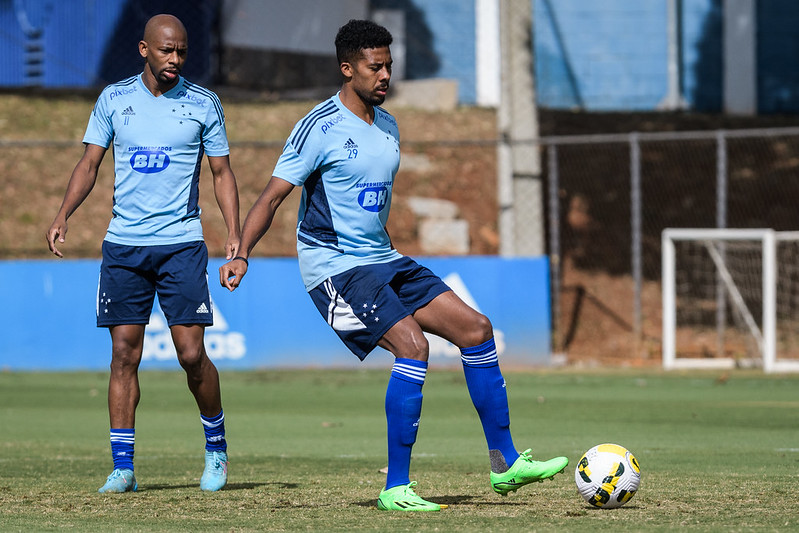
(443, 349)
(373, 198)
(220, 342)
(121, 91)
(332, 121)
(149, 161)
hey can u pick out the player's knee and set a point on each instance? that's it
(479, 332)
(191, 357)
(125, 358)
(419, 349)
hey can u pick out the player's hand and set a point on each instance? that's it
(230, 273)
(232, 246)
(57, 231)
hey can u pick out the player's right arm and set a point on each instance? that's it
(255, 226)
(80, 185)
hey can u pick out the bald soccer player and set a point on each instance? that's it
(160, 125)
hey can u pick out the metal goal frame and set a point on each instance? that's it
(765, 336)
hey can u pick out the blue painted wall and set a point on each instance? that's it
(91, 43)
(597, 56)
(48, 321)
(440, 41)
(702, 54)
(600, 55)
(778, 56)
(71, 36)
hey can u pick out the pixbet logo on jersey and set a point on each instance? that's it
(149, 161)
(121, 91)
(373, 198)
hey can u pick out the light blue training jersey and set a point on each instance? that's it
(158, 149)
(346, 168)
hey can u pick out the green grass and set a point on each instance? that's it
(306, 447)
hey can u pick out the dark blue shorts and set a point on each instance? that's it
(130, 277)
(363, 303)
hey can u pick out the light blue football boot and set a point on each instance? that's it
(215, 473)
(120, 480)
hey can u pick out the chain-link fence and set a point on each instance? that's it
(610, 197)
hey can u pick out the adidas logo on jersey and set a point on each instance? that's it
(350, 145)
(128, 111)
(202, 308)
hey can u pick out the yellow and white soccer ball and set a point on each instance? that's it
(607, 476)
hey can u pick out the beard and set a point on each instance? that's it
(371, 98)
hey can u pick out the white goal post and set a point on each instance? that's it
(730, 299)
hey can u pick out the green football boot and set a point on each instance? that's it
(526, 470)
(403, 498)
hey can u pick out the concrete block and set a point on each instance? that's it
(434, 94)
(433, 208)
(444, 237)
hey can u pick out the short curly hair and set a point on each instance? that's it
(357, 35)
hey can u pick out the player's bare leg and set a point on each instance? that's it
(450, 318)
(127, 342)
(201, 374)
(406, 339)
(203, 380)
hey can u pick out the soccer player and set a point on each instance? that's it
(345, 154)
(160, 124)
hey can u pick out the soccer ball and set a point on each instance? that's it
(607, 476)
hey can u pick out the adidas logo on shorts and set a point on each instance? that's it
(202, 308)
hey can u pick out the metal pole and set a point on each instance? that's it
(721, 179)
(554, 241)
(635, 215)
(674, 98)
(669, 307)
(721, 222)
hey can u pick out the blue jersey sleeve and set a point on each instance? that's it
(215, 141)
(100, 130)
(304, 151)
(292, 167)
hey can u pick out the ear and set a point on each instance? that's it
(143, 48)
(346, 70)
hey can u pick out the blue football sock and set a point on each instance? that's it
(487, 389)
(403, 409)
(122, 440)
(214, 432)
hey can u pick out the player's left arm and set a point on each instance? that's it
(227, 197)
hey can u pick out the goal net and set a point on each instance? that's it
(731, 299)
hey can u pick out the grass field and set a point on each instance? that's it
(306, 448)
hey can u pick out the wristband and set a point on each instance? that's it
(242, 258)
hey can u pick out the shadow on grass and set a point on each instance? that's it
(228, 487)
(455, 500)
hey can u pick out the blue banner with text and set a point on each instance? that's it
(48, 320)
